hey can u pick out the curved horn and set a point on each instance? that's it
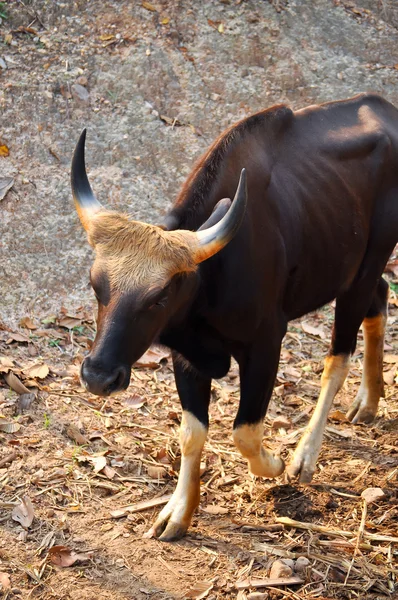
(214, 239)
(85, 201)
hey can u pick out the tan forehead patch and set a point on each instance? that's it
(136, 254)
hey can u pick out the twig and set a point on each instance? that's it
(334, 532)
(360, 534)
(8, 459)
(33, 15)
(166, 564)
(140, 506)
(267, 582)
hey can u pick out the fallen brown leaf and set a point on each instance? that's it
(69, 322)
(24, 513)
(199, 590)
(389, 376)
(39, 371)
(9, 426)
(98, 462)
(152, 358)
(17, 337)
(135, 401)
(308, 328)
(5, 364)
(62, 556)
(109, 472)
(28, 323)
(4, 150)
(390, 358)
(74, 434)
(339, 416)
(156, 472)
(15, 384)
(214, 509)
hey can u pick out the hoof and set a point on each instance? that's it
(362, 411)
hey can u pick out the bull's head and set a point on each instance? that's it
(142, 277)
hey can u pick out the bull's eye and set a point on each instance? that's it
(160, 303)
(159, 300)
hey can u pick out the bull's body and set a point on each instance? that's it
(320, 223)
(322, 205)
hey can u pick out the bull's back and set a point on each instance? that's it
(334, 187)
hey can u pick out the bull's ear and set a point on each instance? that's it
(85, 201)
(219, 211)
(169, 223)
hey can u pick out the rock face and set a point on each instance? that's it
(153, 88)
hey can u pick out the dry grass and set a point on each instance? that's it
(96, 473)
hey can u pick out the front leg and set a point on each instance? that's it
(258, 367)
(194, 391)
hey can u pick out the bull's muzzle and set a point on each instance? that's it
(104, 382)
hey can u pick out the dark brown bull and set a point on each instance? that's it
(317, 221)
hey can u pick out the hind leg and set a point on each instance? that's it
(364, 407)
(351, 308)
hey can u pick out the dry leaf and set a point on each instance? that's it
(17, 337)
(28, 323)
(308, 328)
(109, 472)
(291, 373)
(6, 184)
(99, 462)
(15, 384)
(152, 358)
(39, 371)
(69, 322)
(372, 494)
(74, 434)
(5, 582)
(199, 590)
(149, 6)
(24, 513)
(214, 509)
(9, 426)
(221, 28)
(389, 376)
(156, 472)
(4, 150)
(62, 556)
(135, 401)
(165, 21)
(281, 422)
(5, 364)
(390, 358)
(338, 415)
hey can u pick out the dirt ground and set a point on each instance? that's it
(155, 83)
(86, 466)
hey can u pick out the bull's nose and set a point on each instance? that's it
(101, 382)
